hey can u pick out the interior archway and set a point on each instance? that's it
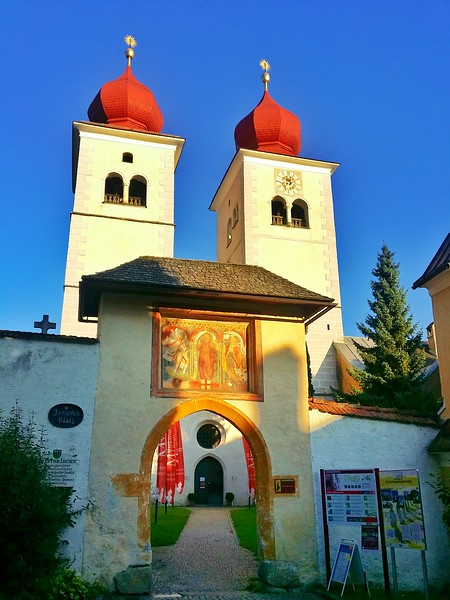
(138, 484)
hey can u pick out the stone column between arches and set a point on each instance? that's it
(138, 484)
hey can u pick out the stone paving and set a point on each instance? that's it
(207, 563)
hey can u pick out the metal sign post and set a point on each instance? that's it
(425, 575)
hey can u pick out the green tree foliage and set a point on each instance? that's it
(393, 373)
(33, 514)
(441, 486)
(311, 390)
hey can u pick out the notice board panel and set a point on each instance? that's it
(351, 497)
(401, 499)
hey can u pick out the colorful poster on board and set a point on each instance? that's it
(351, 497)
(402, 509)
(369, 537)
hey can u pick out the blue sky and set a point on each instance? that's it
(369, 81)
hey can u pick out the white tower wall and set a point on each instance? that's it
(306, 255)
(102, 234)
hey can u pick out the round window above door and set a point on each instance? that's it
(209, 436)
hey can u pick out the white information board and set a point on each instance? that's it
(351, 497)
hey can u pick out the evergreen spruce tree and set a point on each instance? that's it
(311, 390)
(393, 373)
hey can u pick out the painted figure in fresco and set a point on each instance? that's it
(207, 357)
(235, 363)
(176, 352)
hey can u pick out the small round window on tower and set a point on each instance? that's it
(208, 436)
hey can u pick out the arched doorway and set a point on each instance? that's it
(208, 485)
(137, 484)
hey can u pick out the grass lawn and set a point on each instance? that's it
(169, 526)
(244, 521)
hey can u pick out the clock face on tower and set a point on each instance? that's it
(288, 182)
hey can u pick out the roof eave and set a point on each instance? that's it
(198, 299)
(426, 278)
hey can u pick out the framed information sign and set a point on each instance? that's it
(285, 485)
(402, 509)
(351, 497)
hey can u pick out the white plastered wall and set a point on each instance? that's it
(39, 375)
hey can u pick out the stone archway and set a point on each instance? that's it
(137, 484)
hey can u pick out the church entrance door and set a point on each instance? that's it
(208, 485)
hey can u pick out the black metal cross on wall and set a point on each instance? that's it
(45, 324)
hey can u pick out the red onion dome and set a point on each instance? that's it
(125, 102)
(269, 127)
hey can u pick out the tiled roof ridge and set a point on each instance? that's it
(379, 413)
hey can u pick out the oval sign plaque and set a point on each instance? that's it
(65, 415)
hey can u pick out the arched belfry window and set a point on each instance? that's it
(279, 216)
(138, 191)
(127, 157)
(113, 189)
(229, 234)
(299, 214)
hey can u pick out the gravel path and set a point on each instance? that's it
(206, 558)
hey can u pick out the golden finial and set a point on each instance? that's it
(131, 43)
(265, 76)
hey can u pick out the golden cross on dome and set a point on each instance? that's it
(131, 43)
(265, 76)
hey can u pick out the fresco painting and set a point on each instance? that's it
(208, 355)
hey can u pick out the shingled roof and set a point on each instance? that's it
(197, 284)
(439, 263)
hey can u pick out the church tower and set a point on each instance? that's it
(275, 210)
(123, 181)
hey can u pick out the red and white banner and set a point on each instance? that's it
(161, 472)
(179, 468)
(251, 471)
(170, 474)
(171, 463)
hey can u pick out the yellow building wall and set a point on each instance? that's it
(129, 422)
(439, 289)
